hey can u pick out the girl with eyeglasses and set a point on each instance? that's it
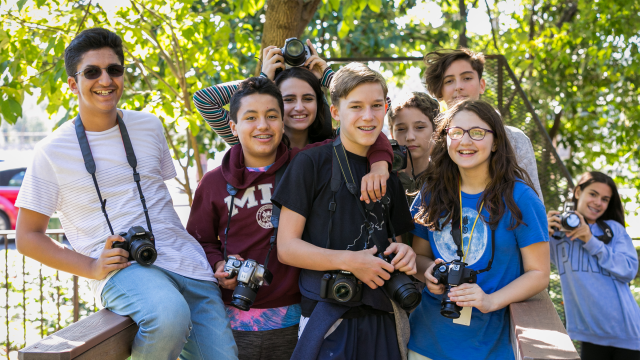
(478, 208)
(596, 261)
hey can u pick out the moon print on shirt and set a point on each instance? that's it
(447, 248)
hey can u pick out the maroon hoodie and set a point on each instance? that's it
(250, 229)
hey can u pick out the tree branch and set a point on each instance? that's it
(26, 23)
(493, 30)
(81, 23)
(156, 75)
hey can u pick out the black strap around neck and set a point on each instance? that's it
(90, 164)
(456, 234)
(607, 233)
(339, 163)
(275, 215)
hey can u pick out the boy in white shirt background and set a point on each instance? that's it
(176, 301)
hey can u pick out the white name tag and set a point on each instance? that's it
(465, 316)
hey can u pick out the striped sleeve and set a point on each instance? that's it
(39, 191)
(210, 102)
(327, 77)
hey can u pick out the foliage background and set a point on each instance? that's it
(578, 62)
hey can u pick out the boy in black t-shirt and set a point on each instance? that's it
(323, 229)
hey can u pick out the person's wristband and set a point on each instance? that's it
(263, 75)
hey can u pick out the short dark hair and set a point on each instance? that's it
(87, 40)
(254, 85)
(439, 61)
(615, 209)
(427, 105)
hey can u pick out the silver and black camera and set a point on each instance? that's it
(341, 286)
(140, 243)
(568, 219)
(251, 276)
(452, 274)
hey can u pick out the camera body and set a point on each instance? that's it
(341, 286)
(399, 156)
(568, 219)
(141, 245)
(400, 287)
(251, 276)
(452, 274)
(295, 52)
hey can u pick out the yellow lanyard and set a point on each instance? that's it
(464, 257)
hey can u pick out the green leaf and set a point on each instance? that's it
(21, 4)
(375, 5)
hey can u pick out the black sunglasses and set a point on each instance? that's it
(93, 72)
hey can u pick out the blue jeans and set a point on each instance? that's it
(177, 316)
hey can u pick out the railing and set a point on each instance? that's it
(57, 293)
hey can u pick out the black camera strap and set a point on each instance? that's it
(339, 163)
(607, 233)
(456, 233)
(90, 164)
(275, 215)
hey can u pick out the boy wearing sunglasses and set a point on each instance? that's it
(176, 301)
(456, 75)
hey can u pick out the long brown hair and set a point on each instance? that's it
(615, 209)
(440, 194)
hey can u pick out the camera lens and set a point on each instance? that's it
(294, 53)
(143, 251)
(343, 290)
(243, 297)
(403, 291)
(449, 308)
(570, 221)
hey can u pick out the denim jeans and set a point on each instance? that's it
(177, 316)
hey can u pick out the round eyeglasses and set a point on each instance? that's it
(475, 133)
(93, 72)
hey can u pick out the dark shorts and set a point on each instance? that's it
(266, 345)
(591, 351)
(369, 337)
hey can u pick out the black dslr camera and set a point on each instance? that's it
(569, 220)
(341, 286)
(140, 243)
(452, 274)
(400, 287)
(399, 156)
(251, 276)
(295, 52)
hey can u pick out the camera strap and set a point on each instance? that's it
(275, 215)
(90, 164)
(456, 233)
(607, 233)
(339, 162)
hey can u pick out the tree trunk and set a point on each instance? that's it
(462, 41)
(286, 19)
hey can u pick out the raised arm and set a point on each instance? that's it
(210, 103)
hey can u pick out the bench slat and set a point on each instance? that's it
(80, 337)
(537, 332)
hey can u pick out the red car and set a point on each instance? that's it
(10, 181)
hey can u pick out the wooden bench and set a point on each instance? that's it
(536, 333)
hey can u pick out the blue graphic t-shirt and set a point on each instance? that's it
(487, 337)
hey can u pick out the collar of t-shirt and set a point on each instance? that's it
(259, 169)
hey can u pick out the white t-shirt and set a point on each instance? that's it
(57, 180)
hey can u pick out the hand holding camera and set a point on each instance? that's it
(373, 272)
(404, 258)
(272, 60)
(110, 258)
(314, 63)
(472, 295)
(225, 279)
(434, 286)
(570, 222)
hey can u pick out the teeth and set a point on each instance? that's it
(263, 136)
(299, 116)
(367, 128)
(104, 92)
(467, 152)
